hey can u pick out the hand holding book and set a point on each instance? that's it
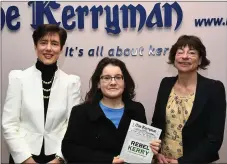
(155, 146)
(141, 143)
(117, 160)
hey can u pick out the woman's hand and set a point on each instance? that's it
(55, 161)
(155, 146)
(161, 158)
(174, 161)
(29, 160)
(117, 160)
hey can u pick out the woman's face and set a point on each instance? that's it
(48, 48)
(187, 60)
(112, 82)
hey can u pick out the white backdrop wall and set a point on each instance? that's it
(17, 49)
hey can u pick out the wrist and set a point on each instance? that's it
(60, 159)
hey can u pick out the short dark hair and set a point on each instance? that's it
(95, 94)
(192, 42)
(44, 29)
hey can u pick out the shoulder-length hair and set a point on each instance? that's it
(95, 94)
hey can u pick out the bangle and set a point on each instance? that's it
(60, 159)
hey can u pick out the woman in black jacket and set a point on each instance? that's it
(190, 109)
(97, 128)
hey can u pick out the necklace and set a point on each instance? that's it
(46, 97)
(48, 82)
(47, 90)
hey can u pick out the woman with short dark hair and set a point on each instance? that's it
(39, 101)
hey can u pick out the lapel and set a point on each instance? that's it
(94, 111)
(126, 118)
(164, 96)
(37, 96)
(200, 99)
(56, 89)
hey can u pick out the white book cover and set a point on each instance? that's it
(136, 147)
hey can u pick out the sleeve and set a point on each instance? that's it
(74, 146)
(74, 92)
(74, 98)
(215, 128)
(142, 114)
(11, 119)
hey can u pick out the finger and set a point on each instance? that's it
(156, 141)
(164, 160)
(119, 161)
(159, 157)
(155, 152)
(155, 147)
(160, 161)
(168, 159)
(155, 144)
(117, 157)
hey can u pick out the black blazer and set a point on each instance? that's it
(203, 133)
(93, 138)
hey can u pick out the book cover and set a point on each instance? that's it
(136, 147)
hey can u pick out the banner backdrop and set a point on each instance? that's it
(140, 33)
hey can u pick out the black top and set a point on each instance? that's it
(92, 138)
(202, 134)
(48, 72)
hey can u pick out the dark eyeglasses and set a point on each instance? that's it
(108, 78)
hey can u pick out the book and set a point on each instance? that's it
(136, 147)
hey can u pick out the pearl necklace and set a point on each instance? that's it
(46, 97)
(47, 90)
(47, 82)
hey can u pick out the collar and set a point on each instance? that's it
(39, 73)
(95, 112)
(46, 70)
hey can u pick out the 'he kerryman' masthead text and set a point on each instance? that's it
(72, 17)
